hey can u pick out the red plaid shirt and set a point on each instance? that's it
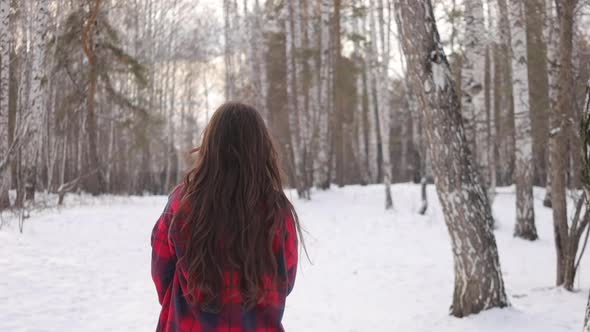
(178, 315)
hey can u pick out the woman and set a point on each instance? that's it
(225, 249)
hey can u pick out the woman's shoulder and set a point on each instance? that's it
(175, 198)
(177, 192)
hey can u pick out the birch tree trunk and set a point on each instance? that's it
(360, 87)
(35, 107)
(383, 103)
(291, 32)
(336, 125)
(258, 51)
(302, 95)
(493, 51)
(323, 156)
(230, 77)
(374, 160)
(506, 117)
(551, 34)
(585, 136)
(374, 90)
(478, 278)
(525, 213)
(311, 31)
(473, 86)
(5, 174)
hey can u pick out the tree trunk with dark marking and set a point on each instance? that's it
(478, 278)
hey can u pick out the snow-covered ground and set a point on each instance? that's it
(87, 268)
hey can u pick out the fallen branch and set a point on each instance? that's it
(70, 186)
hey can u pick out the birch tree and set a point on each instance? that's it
(374, 91)
(229, 30)
(258, 52)
(383, 98)
(325, 93)
(302, 92)
(525, 213)
(359, 56)
(478, 278)
(551, 34)
(5, 178)
(294, 71)
(36, 106)
(494, 93)
(368, 30)
(585, 136)
(473, 86)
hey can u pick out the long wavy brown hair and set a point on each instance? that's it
(235, 208)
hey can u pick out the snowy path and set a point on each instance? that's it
(86, 268)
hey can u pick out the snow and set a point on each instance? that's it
(86, 268)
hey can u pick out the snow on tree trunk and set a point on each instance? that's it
(525, 213)
(36, 105)
(5, 174)
(478, 278)
(473, 86)
(323, 156)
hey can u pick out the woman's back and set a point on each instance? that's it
(225, 248)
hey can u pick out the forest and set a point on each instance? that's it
(110, 97)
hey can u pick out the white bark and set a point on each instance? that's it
(551, 35)
(525, 214)
(323, 156)
(5, 60)
(478, 278)
(373, 77)
(491, 139)
(292, 99)
(359, 116)
(473, 86)
(586, 172)
(300, 89)
(383, 108)
(5, 176)
(259, 50)
(311, 32)
(306, 100)
(248, 42)
(36, 106)
(229, 13)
